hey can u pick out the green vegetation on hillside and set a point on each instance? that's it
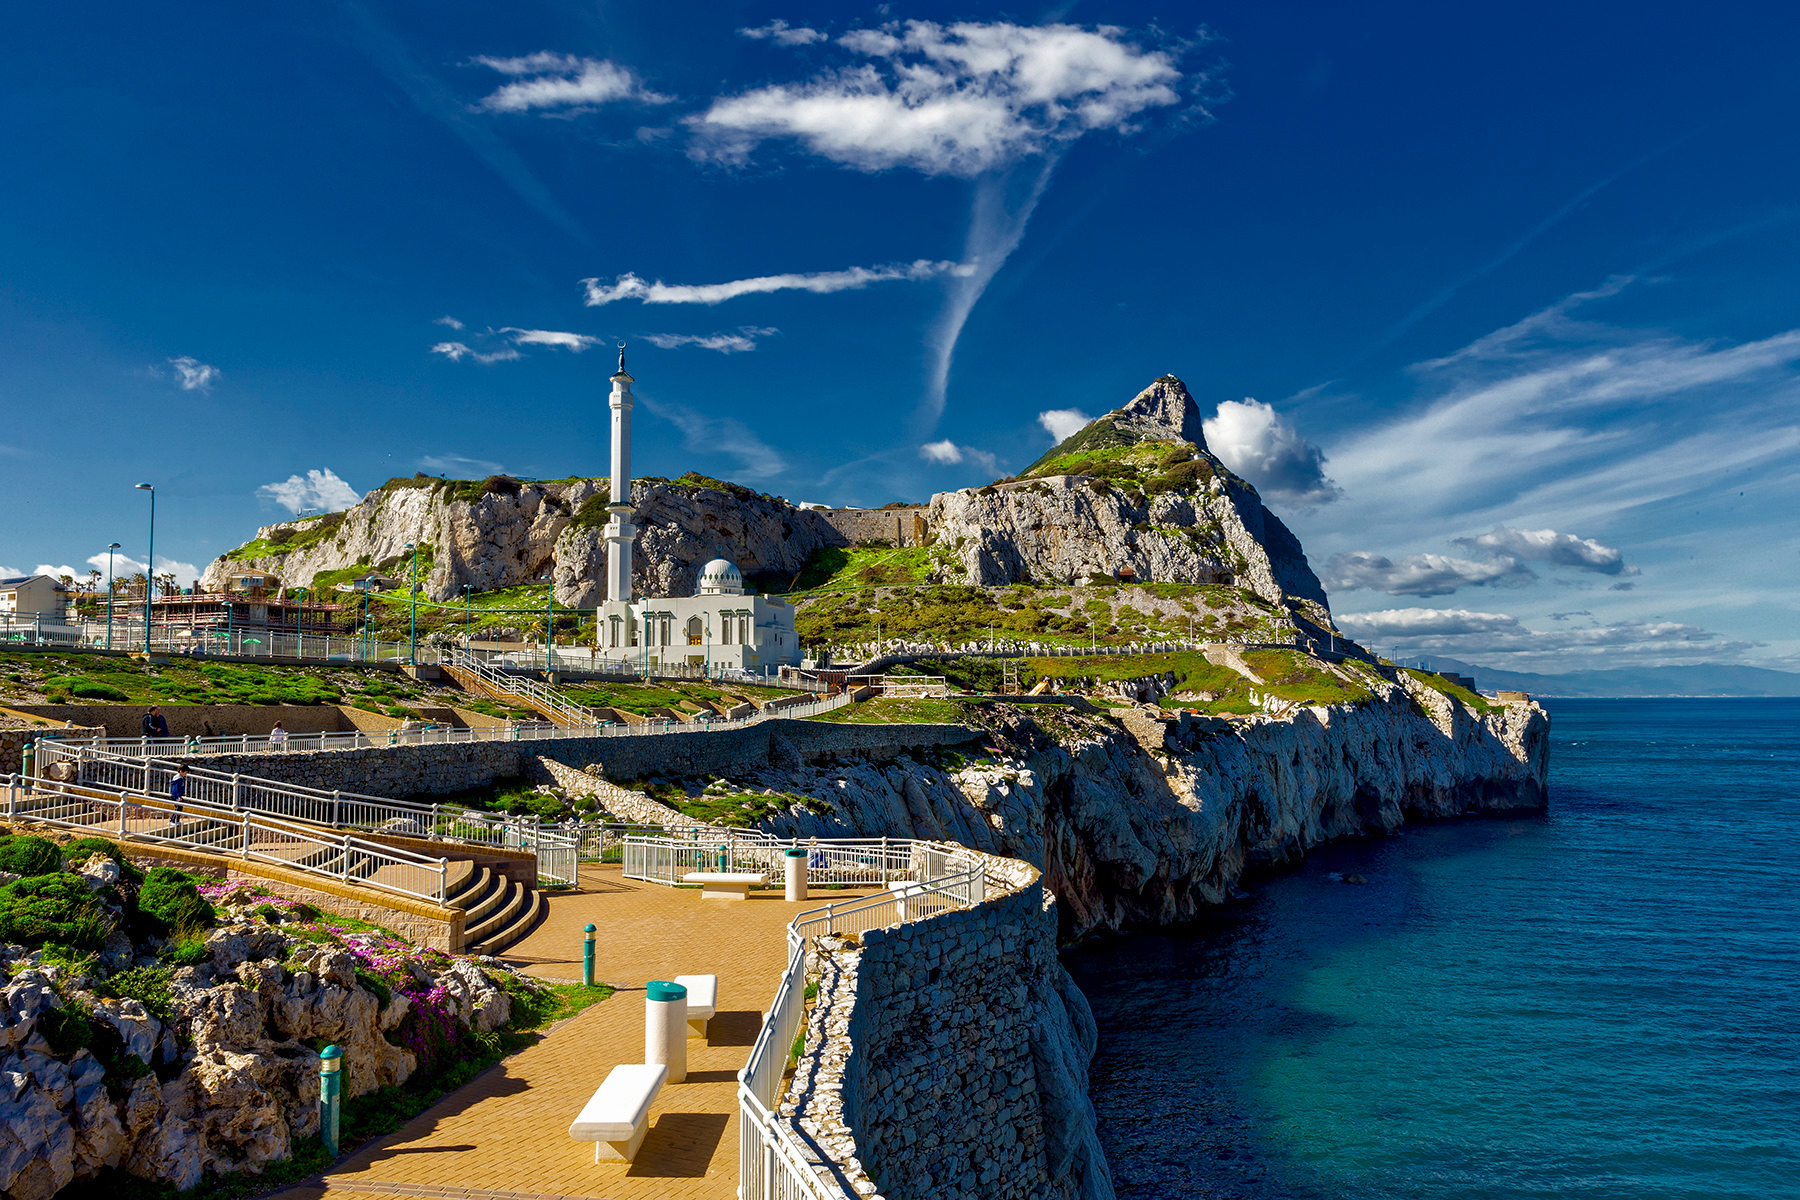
(1457, 691)
(94, 678)
(900, 711)
(833, 567)
(645, 698)
(1292, 675)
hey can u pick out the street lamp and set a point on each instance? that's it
(149, 565)
(549, 629)
(412, 580)
(111, 546)
(467, 588)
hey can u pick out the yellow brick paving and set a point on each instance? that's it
(505, 1135)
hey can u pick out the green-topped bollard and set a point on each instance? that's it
(331, 1086)
(28, 760)
(193, 745)
(587, 957)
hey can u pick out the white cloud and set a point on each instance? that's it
(460, 467)
(10, 573)
(1547, 545)
(1063, 423)
(564, 83)
(1258, 443)
(631, 287)
(320, 489)
(959, 99)
(551, 337)
(1408, 632)
(457, 351)
(702, 434)
(783, 34)
(1420, 574)
(194, 375)
(725, 343)
(53, 572)
(948, 452)
(186, 573)
(452, 322)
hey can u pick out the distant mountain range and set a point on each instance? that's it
(1697, 679)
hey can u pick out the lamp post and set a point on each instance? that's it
(149, 565)
(111, 546)
(412, 588)
(549, 628)
(467, 588)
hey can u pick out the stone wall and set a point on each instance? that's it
(896, 526)
(197, 720)
(401, 771)
(12, 742)
(947, 1057)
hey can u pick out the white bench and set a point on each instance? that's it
(618, 1113)
(723, 885)
(702, 1001)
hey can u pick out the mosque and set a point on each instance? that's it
(720, 626)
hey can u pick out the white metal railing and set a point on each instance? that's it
(528, 691)
(772, 1163)
(127, 814)
(557, 851)
(666, 857)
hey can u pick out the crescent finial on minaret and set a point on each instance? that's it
(621, 358)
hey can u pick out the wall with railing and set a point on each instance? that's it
(988, 1109)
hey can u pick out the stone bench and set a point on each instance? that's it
(618, 1112)
(702, 1001)
(723, 885)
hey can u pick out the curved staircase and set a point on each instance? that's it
(497, 911)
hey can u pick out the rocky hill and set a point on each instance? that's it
(1135, 493)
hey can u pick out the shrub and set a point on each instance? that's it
(30, 856)
(66, 1029)
(188, 952)
(51, 908)
(169, 900)
(149, 986)
(77, 852)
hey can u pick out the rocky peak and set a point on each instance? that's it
(1164, 411)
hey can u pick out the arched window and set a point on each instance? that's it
(615, 631)
(744, 628)
(696, 631)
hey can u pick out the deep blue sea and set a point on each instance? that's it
(1600, 1002)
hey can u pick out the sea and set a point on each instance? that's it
(1601, 1001)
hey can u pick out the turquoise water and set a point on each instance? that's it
(1600, 1002)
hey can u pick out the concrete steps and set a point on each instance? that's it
(499, 911)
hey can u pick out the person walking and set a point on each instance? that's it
(277, 737)
(177, 789)
(154, 724)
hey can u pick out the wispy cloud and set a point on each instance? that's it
(1420, 574)
(192, 375)
(318, 488)
(186, 573)
(563, 83)
(1062, 423)
(947, 453)
(783, 34)
(576, 342)
(631, 287)
(457, 351)
(702, 434)
(959, 99)
(1264, 447)
(457, 465)
(452, 322)
(725, 343)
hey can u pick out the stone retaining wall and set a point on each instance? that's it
(402, 771)
(947, 1057)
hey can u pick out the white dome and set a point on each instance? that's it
(720, 577)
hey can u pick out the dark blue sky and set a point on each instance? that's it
(1519, 284)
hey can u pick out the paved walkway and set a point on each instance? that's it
(505, 1136)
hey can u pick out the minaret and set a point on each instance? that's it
(620, 531)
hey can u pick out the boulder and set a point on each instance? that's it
(98, 872)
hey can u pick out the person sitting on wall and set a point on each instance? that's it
(154, 724)
(277, 737)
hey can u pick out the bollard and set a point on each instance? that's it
(665, 1027)
(796, 874)
(28, 760)
(724, 858)
(587, 957)
(331, 1060)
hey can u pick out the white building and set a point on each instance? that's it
(720, 625)
(29, 599)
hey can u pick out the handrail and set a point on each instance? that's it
(534, 694)
(210, 829)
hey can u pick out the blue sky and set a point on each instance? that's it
(1514, 293)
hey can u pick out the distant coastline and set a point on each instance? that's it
(1695, 681)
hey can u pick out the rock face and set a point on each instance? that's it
(1065, 529)
(516, 532)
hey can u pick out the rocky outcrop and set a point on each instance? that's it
(513, 533)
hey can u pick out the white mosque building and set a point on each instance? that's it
(721, 626)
